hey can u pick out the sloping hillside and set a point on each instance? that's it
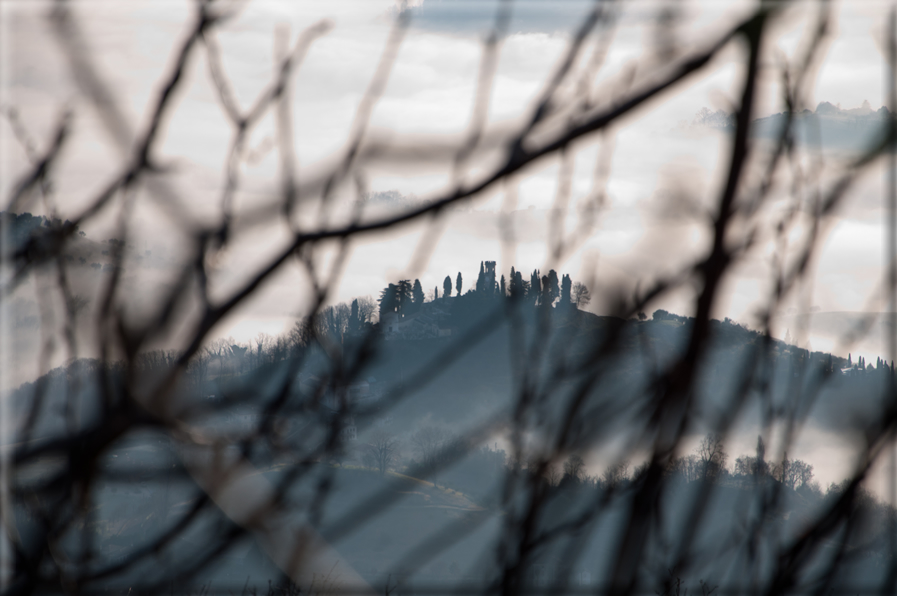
(382, 524)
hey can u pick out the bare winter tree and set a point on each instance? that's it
(367, 309)
(713, 456)
(382, 451)
(120, 477)
(615, 474)
(793, 473)
(581, 296)
(220, 349)
(574, 467)
(429, 443)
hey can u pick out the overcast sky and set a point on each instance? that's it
(430, 92)
(656, 153)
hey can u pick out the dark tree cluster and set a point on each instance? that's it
(545, 290)
(25, 228)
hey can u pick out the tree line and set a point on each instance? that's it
(406, 297)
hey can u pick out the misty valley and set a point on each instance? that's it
(393, 431)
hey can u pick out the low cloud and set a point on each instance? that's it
(830, 127)
(478, 16)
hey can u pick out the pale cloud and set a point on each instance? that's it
(477, 17)
(431, 92)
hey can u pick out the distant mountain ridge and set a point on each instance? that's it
(868, 327)
(830, 126)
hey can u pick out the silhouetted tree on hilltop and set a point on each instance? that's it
(417, 293)
(535, 287)
(553, 288)
(389, 299)
(566, 291)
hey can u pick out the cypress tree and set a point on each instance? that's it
(535, 286)
(458, 281)
(389, 301)
(354, 322)
(546, 299)
(404, 294)
(566, 291)
(417, 293)
(553, 288)
(481, 279)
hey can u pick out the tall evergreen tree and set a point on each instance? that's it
(502, 289)
(417, 293)
(481, 280)
(389, 299)
(458, 282)
(535, 287)
(546, 299)
(354, 320)
(515, 285)
(760, 470)
(489, 282)
(404, 295)
(553, 288)
(566, 291)
(447, 286)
